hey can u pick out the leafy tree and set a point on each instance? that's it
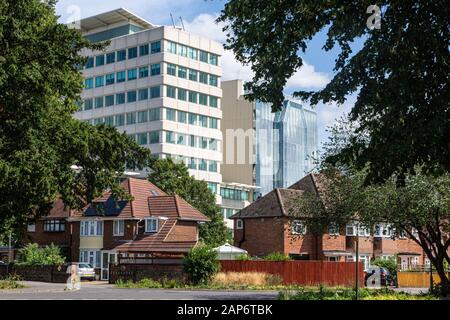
(173, 177)
(419, 209)
(40, 141)
(400, 74)
(201, 264)
(390, 264)
(32, 255)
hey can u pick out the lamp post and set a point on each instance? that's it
(357, 261)
(9, 247)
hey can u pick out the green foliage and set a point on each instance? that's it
(33, 255)
(277, 256)
(201, 264)
(11, 282)
(389, 264)
(40, 141)
(243, 257)
(173, 177)
(401, 81)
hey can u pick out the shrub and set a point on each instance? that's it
(11, 282)
(389, 264)
(242, 257)
(201, 264)
(260, 279)
(32, 255)
(277, 256)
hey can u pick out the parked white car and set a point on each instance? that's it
(85, 271)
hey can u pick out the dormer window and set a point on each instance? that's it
(151, 225)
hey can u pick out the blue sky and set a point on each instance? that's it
(198, 17)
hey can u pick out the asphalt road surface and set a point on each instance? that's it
(101, 290)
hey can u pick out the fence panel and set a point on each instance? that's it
(301, 272)
(416, 279)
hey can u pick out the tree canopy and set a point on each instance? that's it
(400, 74)
(40, 141)
(173, 177)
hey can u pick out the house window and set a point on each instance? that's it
(118, 227)
(31, 227)
(91, 228)
(298, 227)
(151, 225)
(239, 224)
(92, 257)
(54, 225)
(333, 230)
(350, 230)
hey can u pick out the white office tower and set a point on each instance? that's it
(161, 85)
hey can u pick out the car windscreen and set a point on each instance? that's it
(84, 266)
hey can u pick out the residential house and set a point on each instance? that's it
(269, 225)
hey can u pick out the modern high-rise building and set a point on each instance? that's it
(159, 84)
(263, 150)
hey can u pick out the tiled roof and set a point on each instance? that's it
(174, 206)
(282, 202)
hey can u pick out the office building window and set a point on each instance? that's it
(212, 166)
(120, 98)
(182, 72)
(213, 80)
(234, 194)
(142, 138)
(121, 76)
(143, 72)
(131, 118)
(89, 83)
(170, 114)
(109, 121)
(172, 47)
(171, 92)
(192, 96)
(155, 92)
(202, 165)
(98, 121)
(192, 118)
(213, 123)
(154, 137)
(203, 77)
(89, 63)
(181, 117)
(99, 102)
(193, 75)
(110, 57)
(213, 102)
(170, 137)
(154, 114)
(213, 59)
(88, 103)
(155, 69)
(110, 79)
(203, 99)
(132, 53)
(99, 81)
(121, 55)
(203, 56)
(119, 120)
(182, 50)
(109, 100)
(143, 94)
(132, 74)
(181, 139)
(193, 53)
(192, 141)
(99, 60)
(203, 120)
(181, 94)
(203, 142)
(213, 144)
(131, 96)
(143, 50)
(171, 69)
(143, 116)
(213, 187)
(155, 47)
(192, 164)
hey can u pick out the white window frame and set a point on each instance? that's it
(353, 227)
(149, 227)
(239, 224)
(333, 230)
(118, 228)
(91, 228)
(31, 227)
(298, 224)
(93, 257)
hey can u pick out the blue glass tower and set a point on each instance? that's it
(286, 144)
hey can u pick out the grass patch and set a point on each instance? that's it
(324, 293)
(11, 282)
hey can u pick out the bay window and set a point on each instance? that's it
(91, 228)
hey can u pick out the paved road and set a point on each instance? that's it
(99, 290)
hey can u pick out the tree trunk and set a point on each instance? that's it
(445, 282)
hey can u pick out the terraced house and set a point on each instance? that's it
(161, 85)
(153, 224)
(268, 225)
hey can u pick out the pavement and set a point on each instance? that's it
(99, 290)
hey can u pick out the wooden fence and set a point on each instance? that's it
(411, 279)
(302, 272)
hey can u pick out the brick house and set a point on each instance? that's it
(153, 224)
(267, 226)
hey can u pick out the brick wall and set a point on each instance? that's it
(136, 272)
(56, 274)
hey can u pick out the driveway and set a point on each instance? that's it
(101, 290)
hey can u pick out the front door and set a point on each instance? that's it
(107, 258)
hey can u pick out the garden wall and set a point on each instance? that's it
(413, 279)
(136, 272)
(301, 272)
(55, 274)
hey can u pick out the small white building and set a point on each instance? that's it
(229, 252)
